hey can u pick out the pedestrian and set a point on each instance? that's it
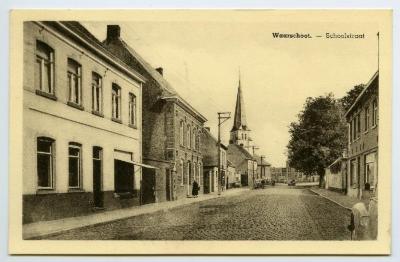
(195, 189)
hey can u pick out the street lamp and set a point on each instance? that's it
(222, 118)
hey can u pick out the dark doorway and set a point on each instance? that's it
(206, 182)
(123, 178)
(97, 177)
(169, 183)
(148, 186)
(244, 179)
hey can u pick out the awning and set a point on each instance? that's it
(144, 165)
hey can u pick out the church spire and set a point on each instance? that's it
(240, 116)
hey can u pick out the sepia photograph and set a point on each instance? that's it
(200, 131)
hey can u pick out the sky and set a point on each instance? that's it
(201, 56)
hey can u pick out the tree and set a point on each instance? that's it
(318, 137)
(351, 96)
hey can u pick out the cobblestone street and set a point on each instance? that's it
(278, 213)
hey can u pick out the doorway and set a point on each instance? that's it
(97, 177)
(148, 186)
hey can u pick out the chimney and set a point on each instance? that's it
(208, 128)
(113, 32)
(160, 70)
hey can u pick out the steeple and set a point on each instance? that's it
(239, 121)
(240, 132)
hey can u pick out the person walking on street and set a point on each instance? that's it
(195, 189)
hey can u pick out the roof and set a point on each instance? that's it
(263, 163)
(230, 163)
(94, 43)
(361, 95)
(168, 92)
(208, 133)
(241, 150)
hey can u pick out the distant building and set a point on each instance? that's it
(209, 149)
(171, 129)
(244, 163)
(240, 132)
(239, 143)
(82, 124)
(335, 175)
(362, 163)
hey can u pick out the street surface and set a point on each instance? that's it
(273, 213)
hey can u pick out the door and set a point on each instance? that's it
(97, 177)
(206, 182)
(148, 186)
(169, 183)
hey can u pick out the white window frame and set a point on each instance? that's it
(374, 113)
(132, 109)
(181, 133)
(116, 101)
(75, 82)
(79, 157)
(40, 59)
(97, 93)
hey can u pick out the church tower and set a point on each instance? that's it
(240, 131)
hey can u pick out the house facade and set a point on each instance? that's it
(244, 163)
(209, 149)
(363, 123)
(233, 178)
(82, 135)
(171, 129)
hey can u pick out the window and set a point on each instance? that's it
(198, 141)
(199, 174)
(74, 155)
(74, 81)
(132, 109)
(181, 171)
(366, 119)
(44, 68)
(97, 93)
(354, 128)
(181, 133)
(351, 131)
(116, 102)
(45, 155)
(370, 169)
(188, 137)
(188, 172)
(194, 138)
(374, 113)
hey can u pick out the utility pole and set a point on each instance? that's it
(222, 117)
(261, 165)
(254, 148)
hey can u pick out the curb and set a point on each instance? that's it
(337, 203)
(63, 230)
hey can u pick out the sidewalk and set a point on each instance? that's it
(338, 198)
(44, 228)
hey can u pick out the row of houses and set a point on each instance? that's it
(104, 130)
(356, 172)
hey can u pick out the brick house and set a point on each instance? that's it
(82, 132)
(362, 162)
(209, 149)
(171, 129)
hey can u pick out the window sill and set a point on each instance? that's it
(97, 113)
(74, 105)
(45, 191)
(133, 126)
(46, 95)
(373, 127)
(117, 120)
(75, 190)
(366, 132)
